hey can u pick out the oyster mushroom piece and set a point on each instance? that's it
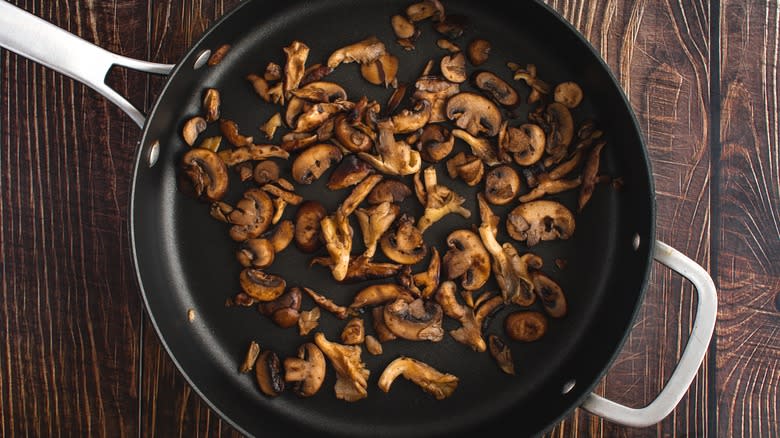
(308, 321)
(349, 172)
(382, 293)
(439, 201)
(568, 94)
(453, 67)
(307, 371)
(354, 332)
(478, 51)
(500, 351)
(404, 244)
(440, 385)
(358, 194)
(297, 53)
(362, 52)
(395, 157)
(388, 190)
(261, 286)
(192, 129)
(501, 185)
(467, 259)
(469, 168)
(355, 137)
(435, 143)
(206, 172)
(314, 161)
(496, 88)
(325, 303)
(590, 175)
(374, 222)
(316, 115)
(337, 234)
(351, 372)
(428, 280)
(474, 113)
(540, 220)
(409, 121)
(361, 268)
(419, 320)
(481, 147)
(526, 143)
(551, 295)
(319, 92)
(271, 125)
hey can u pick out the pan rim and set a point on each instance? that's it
(648, 247)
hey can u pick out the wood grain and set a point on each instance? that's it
(748, 335)
(70, 312)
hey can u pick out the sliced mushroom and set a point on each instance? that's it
(266, 171)
(316, 115)
(382, 71)
(268, 372)
(500, 351)
(315, 73)
(362, 52)
(561, 131)
(319, 92)
(404, 244)
(402, 27)
(447, 45)
(374, 222)
(590, 175)
(355, 137)
(526, 143)
(251, 357)
(337, 234)
(467, 259)
(230, 131)
(424, 10)
(351, 372)
(361, 268)
(388, 190)
(409, 121)
(261, 286)
(307, 371)
(427, 281)
(474, 113)
(339, 312)
(452, 26)
(496, 88)
(453, 67)
(551, 295)
(418, 320)
(256, 253)
(479, 51)
(525, 326)
(395, 157)
(568, 94)
(314, 161)
(439, 201)
(373, 345)
(211, 143)
(251, 216)
(467, 167)
(435, 143)
(349, 172)
(381, 293)
(437, 91)
(501, 185)
(207, 173)
(297, 53)
(358, 194)
(354, 332)
(254, 152)
(283, 310)
(271, 125)
(470, 331)
(540, 220)
(481, 147)
(281, 236)
(549, 186)
(440, 385)
(192, 129)
(211, 104)
(260, 85)
(307, 226)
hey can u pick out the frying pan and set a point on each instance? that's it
(185, 260)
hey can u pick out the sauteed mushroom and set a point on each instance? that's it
(501, 185)
(261, 286)
(435, 143)
(502, 354)
(211, 103)
(496, 88)
(467, 259)
(268, 373)
(314, 161)
(265, 172)
(540, 220)
(230, 131)
(251, 216)
(551, 295)
(440, 385)
(382, 71)
(388, 190)
(474, 113)
(207, 173)
(453, 67)
(479, 51)
(439, 201)
(337, 234)
(402, 27)
(283, 310)
(526, 142)
(561, 131)
(569, 94)
(192, 129)
(307, 226)
(381, 293)
(418, 320)
(470, 331)
(307, 371)
(297, 53)
(374, 222)
(361, 268)
(351, 372)
(354, 332)
(355, 137)
(481, 147)
(404, 244)
(395, 157)
(436, 90)
(256, 253)
(362, 52)
(254, 152)
(350, 171)
(526, 326)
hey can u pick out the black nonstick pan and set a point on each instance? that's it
(185, 260)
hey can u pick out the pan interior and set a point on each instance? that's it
(186, 260)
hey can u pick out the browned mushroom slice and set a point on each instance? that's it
(389, 190)
(297, 53)
(381, 293)
(325, 303)
(590, 175)
(218, 55)
(569, 94)
(355, 137)
(550, 187)
(382, 71)
(273, 72)
(211, 143)
(337, 234)
(266, 171)
(251, 216)
(526, 326)
(474, 113)
(439, 201)
(435, 143)
(316, 115)
(481, 147)
(351, 372)
(551, 295)
(207, 173)
(307, 226)
(501, 185)
(271, 125)
(315, 73)
(307, 371)
(469, 168)
(230, 131)
(526, 143)
(354, 332)
(350, 171)
(395, 157)
(211, 104)
(447, 45)
(409, 121)
(361, 268)
(314, 161)
(374, 222)
(320, 92)
(479, 51)
(358, 194)
(467, 259)
(500, 351)
(192, 129)
(404, 244)
(419, 320)
(362, 52)
(268, 372)
(261, 286)
(470, 331)
(281, 236)
(439, 385)
(251, 357)
(254, 152)
(256, 253)
(561, 131)
(427, 281)
(373, 345)
(453, 67)
(293, 141)
(436, 90)
(402, 27)
(283, 310)
(540, 220)
(260, 85)
(496, 88)
(308, 321)
(452, 26)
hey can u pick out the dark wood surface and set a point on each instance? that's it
(78, 357)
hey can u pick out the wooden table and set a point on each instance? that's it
(78, 356)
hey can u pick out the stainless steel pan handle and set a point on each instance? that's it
(692, 356)
(47, 44)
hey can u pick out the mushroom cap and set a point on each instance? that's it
(568, 93)
(408, 121)
(562, 129)
(479, 51)
(497, 88)
(467, 259)
(474, 113)
(501, 185)
(307, 225)
(266, 171)
(350, 171)
(207, 173)
(453, 67)
(435, 143)
(352, 138)
(419, 320)
(526, 326)
(551, 295)
(389, 190)
(314, 161)
(404, 244)
(256, 253)
(540, 220)
(526, 142)
(261, 286)
(252, 215)
(381, 71)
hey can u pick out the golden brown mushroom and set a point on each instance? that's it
(250, 217)
(568, 93)
(297, 53)
(307, 371)
(502, 184)
(467, 259)
(481, 147)
(439, 201)
(207, 173)
(526, 326)
(351, 372)
(474, 113)
(395, 157)
(453, 67)
(283, 310)
(437, 91)
(388, 190)
(374, 222)
(496, 88)
(479, 51)
(440, 385)
(540, 220)
(192, 128)
(349, 172)
(307, 226)
(435, 143)
(404, 243)
(419, 320)
(526, 143)
(268, 372)
(362, 52)
(260, 285)
(314, 161)
(382, 71)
